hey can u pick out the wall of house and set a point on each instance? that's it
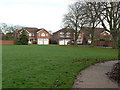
(7, 42)
(43, 37)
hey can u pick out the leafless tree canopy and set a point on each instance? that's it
(6, 28)
(91, 14)
(76, 18)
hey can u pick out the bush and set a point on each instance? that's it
(7, 37)
(105, 45)
(23, 39)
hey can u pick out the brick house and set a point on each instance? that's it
(63, 36)
(35, 35)
(66, 35)
(99, 33)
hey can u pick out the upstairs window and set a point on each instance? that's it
(43, 34)
(30, 34)
(79, 36)
(61, 34)
(68, 34)
(33, 34)
(90, 35)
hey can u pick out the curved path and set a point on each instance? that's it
(95, 76)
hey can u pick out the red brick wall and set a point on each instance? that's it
(7, 42)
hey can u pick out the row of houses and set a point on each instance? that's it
(63, 36)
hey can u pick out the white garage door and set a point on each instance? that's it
(40, 41)
(61, 42)
(46, 41)
(66, 41)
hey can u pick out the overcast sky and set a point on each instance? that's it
(46, 14)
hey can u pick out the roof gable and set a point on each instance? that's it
(41, 29)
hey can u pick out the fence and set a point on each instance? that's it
(7, 42)
(103, 43)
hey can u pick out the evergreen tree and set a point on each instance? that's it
(23, 39)
(7, 37)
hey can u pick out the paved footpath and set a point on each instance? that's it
(95, 76)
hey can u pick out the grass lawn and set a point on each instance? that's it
(36, 66)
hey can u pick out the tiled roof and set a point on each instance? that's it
(65, 30)
(32, 29)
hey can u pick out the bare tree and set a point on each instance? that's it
(93, 19)
(4, 27)
(109, 17)
(9, 29)
(76, 18)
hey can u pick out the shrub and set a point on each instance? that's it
(7, 37)
(105, 45)
(23, 39)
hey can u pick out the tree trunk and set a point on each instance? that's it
(115, 40)
(75, 43)
(76, 36)
(92, 37)
(119, 46)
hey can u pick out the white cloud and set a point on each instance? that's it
(46, 14)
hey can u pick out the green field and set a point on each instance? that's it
(33, 66)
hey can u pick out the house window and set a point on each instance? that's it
(79, 36)
(42, 34)
(61, 34)
(68, 34)
(30, 34)
(45, 39)
(46, 34)
(90, 35)
(33, 34)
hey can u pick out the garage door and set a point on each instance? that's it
(66, 41)
(46, 41)
(61, 42)
(40, 41)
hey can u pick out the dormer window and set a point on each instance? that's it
(43, 34)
